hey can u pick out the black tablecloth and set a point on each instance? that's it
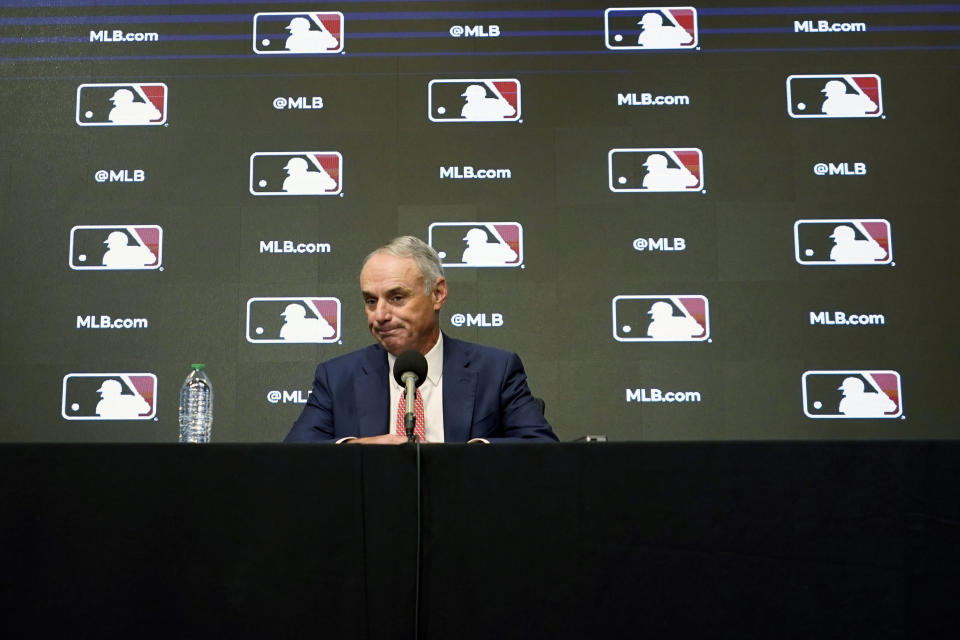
(518, 541)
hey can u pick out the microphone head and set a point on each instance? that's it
(412, 362)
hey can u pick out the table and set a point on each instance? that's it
(758, 539)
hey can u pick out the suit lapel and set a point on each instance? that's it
(459, 390)
(370, 394)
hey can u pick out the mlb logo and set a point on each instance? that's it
(651, 28)
(296, 173)
(655, 169)
(122, 104)
(842, 241)
(474, 100)
(113, 247)
(477, 244)
(293, 320)
(661, 318)
(852, 394)
(834, 96)
(109, 396)
(298, 32)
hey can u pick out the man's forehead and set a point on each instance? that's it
(386, 271)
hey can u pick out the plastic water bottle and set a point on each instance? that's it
(196, 406)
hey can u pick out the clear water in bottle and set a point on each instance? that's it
(196, 406)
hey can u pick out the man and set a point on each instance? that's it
(472, 393)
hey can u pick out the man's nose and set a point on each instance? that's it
(381, 312)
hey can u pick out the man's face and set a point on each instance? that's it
(400, 315)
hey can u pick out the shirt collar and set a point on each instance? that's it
(434, 362)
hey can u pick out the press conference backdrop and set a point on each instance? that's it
(719, 221)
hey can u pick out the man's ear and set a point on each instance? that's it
(439, 293)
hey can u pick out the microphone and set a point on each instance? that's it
(410, 370)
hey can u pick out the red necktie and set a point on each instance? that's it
(417, 413)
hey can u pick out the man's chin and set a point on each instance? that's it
(392, 343)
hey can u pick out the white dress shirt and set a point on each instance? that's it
(431, 391)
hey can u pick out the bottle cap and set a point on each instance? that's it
(198, 366)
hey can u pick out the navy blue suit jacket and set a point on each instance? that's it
(485, 395)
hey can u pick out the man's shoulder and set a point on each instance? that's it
(462, 349)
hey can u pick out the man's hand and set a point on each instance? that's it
(387, 438)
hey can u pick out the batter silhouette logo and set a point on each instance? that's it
(651, 28)
(477, 244)
(852, 394)
(655, 169)
(296, 173)
(835, 96)
(297, 32)
(843, 241)
(661, 318)
(109, 396)
(122, 104)
(293, 320)
(116, 247)
(474, 100)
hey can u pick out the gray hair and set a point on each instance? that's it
(423, 254)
